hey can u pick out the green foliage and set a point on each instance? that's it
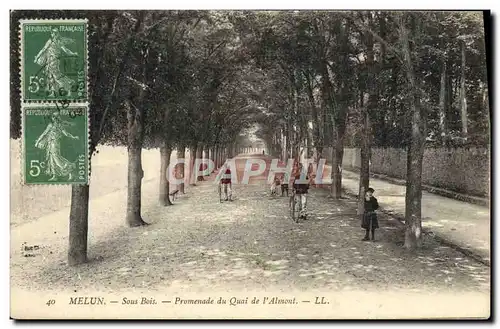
(202, 77)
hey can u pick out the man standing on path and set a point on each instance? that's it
(301, 189)
(226, 181)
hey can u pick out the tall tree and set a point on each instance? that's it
(463, 96)
(368, 104)
(413, 219)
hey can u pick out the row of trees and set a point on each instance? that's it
(399, 79)
(194, 80)
(172, 80)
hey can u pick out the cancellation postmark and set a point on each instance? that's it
(54, 60)
(55, 144)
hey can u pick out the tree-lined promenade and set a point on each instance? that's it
(249, 247)
(195, 81)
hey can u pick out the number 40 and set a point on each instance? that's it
(35, 167)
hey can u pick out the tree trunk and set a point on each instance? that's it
(189, 173)
(199, 152)
(212, 157)
(442, 107)
(206, 157)
(368, 102)
(206, 153)
(484, 95)
(281, 143)
(216, 157)
(285, 145)
(339, 125)
(135, 173)
(78, 224)
(413, 206)
(319, 154)
(463, 98)
(165, 152)
(450, 97)
(278, 145)
(181, 154)
(193, 152)
(309, 139)
(364, 173)
(485, 104)
(326, 132)
(338, 109)
(200, 156)
(318, 145)
(337, 155)
(289, 140)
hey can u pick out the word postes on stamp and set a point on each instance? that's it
(55, 145)
(54, 60)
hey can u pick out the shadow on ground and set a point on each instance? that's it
(200, 244)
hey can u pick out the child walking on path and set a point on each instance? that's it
(370, 220)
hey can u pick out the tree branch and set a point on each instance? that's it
(118, 75)
(379, 39)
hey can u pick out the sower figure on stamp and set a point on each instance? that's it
(49, 57)
(50, 141)
(226, 182)
(370, 220)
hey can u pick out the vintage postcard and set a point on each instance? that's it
(208, 164)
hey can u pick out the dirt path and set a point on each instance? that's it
(460, 223)
(464, 224)
(200, 245)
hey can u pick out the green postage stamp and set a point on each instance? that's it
(54, 60)
(55, 144)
